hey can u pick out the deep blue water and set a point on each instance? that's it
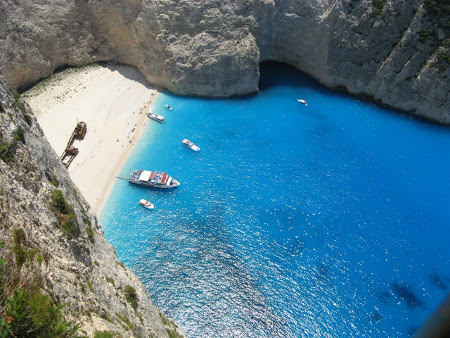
(326, 220)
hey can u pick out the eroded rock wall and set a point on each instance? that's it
(74, 265)
(214, 47)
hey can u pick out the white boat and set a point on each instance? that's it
(191, 145)
(168, 107)
(146, 204)
(153, 179)
(302, 101)
(155, 117)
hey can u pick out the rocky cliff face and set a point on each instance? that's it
(50, 241)
(392, 51)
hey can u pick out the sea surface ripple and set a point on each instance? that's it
(325, 220)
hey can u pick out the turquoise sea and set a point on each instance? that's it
(325, 220)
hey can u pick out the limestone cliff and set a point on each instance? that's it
(396, 52)
(50, 240)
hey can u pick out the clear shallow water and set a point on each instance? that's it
(328, 220)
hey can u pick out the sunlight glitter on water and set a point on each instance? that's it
(320, 220)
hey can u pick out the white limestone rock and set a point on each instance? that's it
(214, 47)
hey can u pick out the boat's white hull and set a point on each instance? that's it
(190, 145)
(158, 186)
(157, 118)
(146, 204)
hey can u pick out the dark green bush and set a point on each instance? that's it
(6, 153)
(130, 296)
(15, 93)
(22, 251)
(439, 12)
(69, 225)
(66, 217)
(18, 249)
(54, 181)
(378, 4)
(59, 202)
(28, 119)
(90, 233)
(20, 135)
(32, 314)
(19, 105)
(24, 310)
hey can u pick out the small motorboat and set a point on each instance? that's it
(302, 101)
(168, 107)
(155, 117)
(146, 204)
(191, 145)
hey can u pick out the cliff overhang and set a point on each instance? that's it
(395, 52)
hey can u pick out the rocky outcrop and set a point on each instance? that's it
(391, 51)
(61, 248)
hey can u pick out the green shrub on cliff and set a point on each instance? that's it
(54, 180)
(378, 6)
(33, 314)
(66, 217)
(6, 153)
(438, 12)
(25, 311)
(19, 105)
(59, 203)
(20, 247)
(131, 296)
(20, 135)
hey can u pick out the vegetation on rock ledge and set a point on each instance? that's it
(24, 310)
(131, 296)
(378, 8)
(66, 217)
(439, 14)
(6, 153)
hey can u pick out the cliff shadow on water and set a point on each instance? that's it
(279, 74)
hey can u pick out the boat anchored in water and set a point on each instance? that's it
(146, 204)
(168, 107)
(191, 145)
(153, 179)
(155, 117)
(302, 101)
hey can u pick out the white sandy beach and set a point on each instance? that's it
(113, 101)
